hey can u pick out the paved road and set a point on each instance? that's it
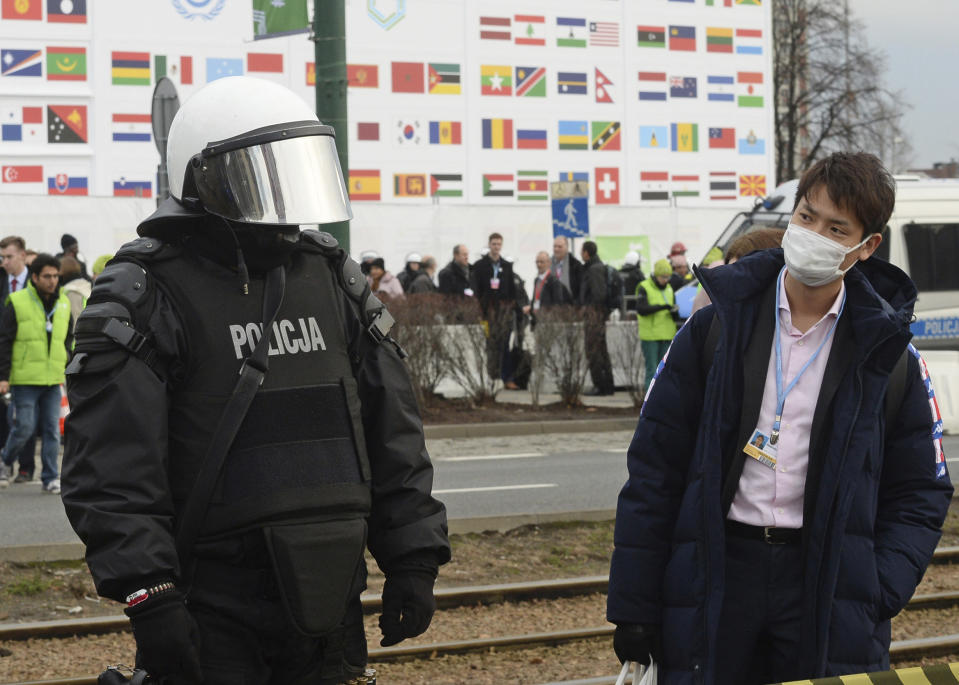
(474, 477)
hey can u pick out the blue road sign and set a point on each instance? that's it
(571, 217)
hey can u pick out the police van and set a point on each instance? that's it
(922, 238)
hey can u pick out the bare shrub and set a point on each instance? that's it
(420, 330)
(467, 344)
(560, 351)
(626, 353)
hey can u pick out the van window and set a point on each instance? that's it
(933, 255)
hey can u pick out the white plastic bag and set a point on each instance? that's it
(650, 674)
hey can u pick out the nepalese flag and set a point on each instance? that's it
(62, 184)
(21, 62)
(941, 470)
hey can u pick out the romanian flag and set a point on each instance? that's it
(497, 134)
(364, 184)
(130, 68)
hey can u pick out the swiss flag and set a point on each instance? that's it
(606, 185)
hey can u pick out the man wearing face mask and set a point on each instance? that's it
(787, 485)
(248, 567)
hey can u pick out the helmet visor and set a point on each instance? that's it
(288, 181)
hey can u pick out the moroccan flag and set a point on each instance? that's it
(364, 184)
(357, 75)
(66, 64)
(408, 77)
(271, 18)
(22, 9)
(67, 124)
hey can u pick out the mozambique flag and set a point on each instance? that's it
(444, 78)
(130, 68)
(66, 64)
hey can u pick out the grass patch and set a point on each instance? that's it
(29, 586)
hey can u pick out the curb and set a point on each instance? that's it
(499, 429)
(70, 551)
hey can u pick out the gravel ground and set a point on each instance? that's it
(46, 659)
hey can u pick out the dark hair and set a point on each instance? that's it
(378, 262)
(760, 239)
(456, 249)
(589, 247)
(66, 240)
(494, 236)
(13, 240)
(856, 182)
(69, 268)
(43, 260)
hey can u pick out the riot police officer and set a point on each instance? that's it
(329, 456)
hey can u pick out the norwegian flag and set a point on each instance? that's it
(941, 471)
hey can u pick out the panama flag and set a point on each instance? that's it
(21, 62)
(22, 124)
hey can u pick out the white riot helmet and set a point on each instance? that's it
(631, 258)
(252, 151)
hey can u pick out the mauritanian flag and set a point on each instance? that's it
(364, 184)
(66, 64)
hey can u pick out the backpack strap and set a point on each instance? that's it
(896, 388)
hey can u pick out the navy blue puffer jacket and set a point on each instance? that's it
(876, 495)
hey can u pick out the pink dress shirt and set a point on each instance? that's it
(768, 497)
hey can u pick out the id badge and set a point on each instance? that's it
(49, 327)
(761, 450)
(494, 284)
(536, 305)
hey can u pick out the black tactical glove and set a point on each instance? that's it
(167, 637)
(637, 643)
(408, 591)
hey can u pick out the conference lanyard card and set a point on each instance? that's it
(494, 284)
(760, 449)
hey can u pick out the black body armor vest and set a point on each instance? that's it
(299, 454)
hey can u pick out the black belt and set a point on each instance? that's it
(768, 534)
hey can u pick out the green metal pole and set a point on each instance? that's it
(329, 34)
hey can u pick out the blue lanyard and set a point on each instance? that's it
(496, 269)
(780, 392)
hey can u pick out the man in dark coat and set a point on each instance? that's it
(593, 298)
(632, 276)
(492, 281)
(566, 267)
(411, 270)
(547, 290)
(741, 564)
(423, 282)
(454, 278)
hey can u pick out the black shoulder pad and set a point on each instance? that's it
(144, 249)
(123, 281)
(354, 282)
(320, 239)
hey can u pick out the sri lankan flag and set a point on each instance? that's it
(753, 185)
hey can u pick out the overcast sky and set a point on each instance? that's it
(921, 42)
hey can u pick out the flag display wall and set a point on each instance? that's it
(654, 103)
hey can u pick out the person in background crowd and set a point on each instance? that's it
(100, 264)
(677, 248)
(16, 259)
(382, 282)
(366, 259)
(74, 286)
(411, 268)
(454, 278)
(423, 283)
(547, 290)
(632, 276)
(29, 256)
(35, 343)
(736, 564)
(593, 298)
(681, 274)
(655, 304)
(566, 267)
(759, 239)
(492, 281)
(71, 248)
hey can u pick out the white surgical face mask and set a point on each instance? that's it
(813, 259)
